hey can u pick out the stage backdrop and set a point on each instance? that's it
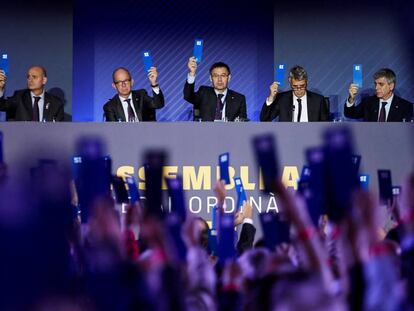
(39, 33)
(328, 39)
(109, 35)
(194, 148)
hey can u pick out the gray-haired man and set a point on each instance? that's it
(385, 106)
(297, 105)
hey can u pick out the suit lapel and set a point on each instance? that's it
(137, 105)
(375, 110)
(230, 105)
(311, 107)
(290, 107)
(119, 109)
(394, 109)
(27, 102)
(208, 104)
(46, 108)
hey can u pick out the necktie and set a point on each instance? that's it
(300, 108)
(219, 107)
(381, 117)
(131, 116)
(35, 114)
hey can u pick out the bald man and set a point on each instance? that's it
(133, 105)
(33, 103)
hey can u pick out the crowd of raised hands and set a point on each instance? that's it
(129, 260)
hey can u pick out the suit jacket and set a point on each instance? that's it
(19, 107)
(368, 110)
(205, 99)
(246, 239)
(144, 105)
(282, 107)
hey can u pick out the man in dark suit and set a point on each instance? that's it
(297, 105)
(133, 106)
(33, 103)
(385, 106)
(217, 103)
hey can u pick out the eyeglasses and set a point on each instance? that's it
(298, 87)
(123, 82)
(216, 76)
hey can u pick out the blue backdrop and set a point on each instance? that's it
(326, 37)
(327, 40)
(109, 35)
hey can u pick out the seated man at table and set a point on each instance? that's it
(297, 105)
(216, 103)
(133, 106)
(384, 106)
(33, 103)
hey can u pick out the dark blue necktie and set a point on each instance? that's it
(219, 107)
(35, 114)
(381, 117)
(299, 108)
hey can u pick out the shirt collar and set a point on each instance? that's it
(388, 101)
(224, 92)
(42, 96)
(123, 99)
(295, 97)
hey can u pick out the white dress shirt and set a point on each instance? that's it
(387, 106)
(41, 103)
(125, 107)
(304, 113)
(223, 100)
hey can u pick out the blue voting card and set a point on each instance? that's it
(147, 59)
(306, 173)
(121, 193)
(214, 212)
(93, 180)
(313, 188)
(280, 74)
(226, 238)
(198, 50)
(154, 164)
(4, 63)
(266, 157)
(241, 194)
(132, 189)
(176, 193)
(1, 147)
(275, 230)
(358, 75)
(174, 226)
(356, 160)
(76, 163)
(384, 185)
(224, 167)
(212, 241)
(364, 181)
(341, 174)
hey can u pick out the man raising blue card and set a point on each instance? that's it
(384, 106)
(297, 105)
(216, 103)
(133, 105)
(33, 103)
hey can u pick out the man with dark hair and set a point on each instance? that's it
(297, 105)
(33, 103)
(133, 106)
(385, 106)
(217, 103)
